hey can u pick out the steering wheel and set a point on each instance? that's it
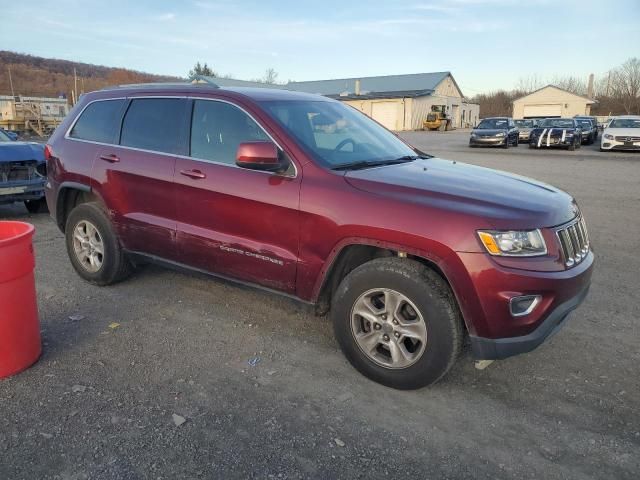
(345, 142)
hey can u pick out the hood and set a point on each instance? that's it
(491, 132)
(16, 151)
(504, 200)
(623, 132)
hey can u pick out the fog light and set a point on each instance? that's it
(521, 306)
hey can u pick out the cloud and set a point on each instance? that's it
(165, 17)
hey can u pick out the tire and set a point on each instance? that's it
(436, 312)
(517, 142)
(36, 206)
(572, 147)
(532, 145)
(506, 144)
(113, 263)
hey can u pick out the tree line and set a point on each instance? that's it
(617, 92)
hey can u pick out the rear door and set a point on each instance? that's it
(135, 178)
(233, 221)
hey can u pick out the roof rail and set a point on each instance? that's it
(161, 85)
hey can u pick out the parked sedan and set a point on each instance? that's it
(556, 132)
(589, 127)
(622, 133)
(495, 132)
(22, 173)
(524, 128)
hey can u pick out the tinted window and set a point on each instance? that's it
(153, 124)
(99, 122)
(493, 123)
(217, 128)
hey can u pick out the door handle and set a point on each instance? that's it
(193, 174)
(111, 158)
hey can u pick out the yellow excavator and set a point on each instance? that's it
(437, 119)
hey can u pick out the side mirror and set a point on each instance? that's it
(259, 156)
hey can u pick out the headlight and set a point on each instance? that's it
(473, 135)
(501, 134)
(513, 243)
(608, 137)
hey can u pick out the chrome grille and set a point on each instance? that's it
(627, 138)
(574, 242)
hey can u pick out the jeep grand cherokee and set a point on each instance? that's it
(303, 195)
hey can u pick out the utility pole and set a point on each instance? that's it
(75, 85)
(608, 83)
(11, 81)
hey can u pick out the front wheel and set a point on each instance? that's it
(397, 323)
(93, 247)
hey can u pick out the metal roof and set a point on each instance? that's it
(386, 86)
(387, 83)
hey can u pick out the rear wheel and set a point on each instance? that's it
(93, 246)
(397, 323)
(36, 206)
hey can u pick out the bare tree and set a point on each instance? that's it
(625, 85)
(529, 84)
(570, 84)
(270, 76)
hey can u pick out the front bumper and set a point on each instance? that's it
(616, 145)
(500, 348)
(21, 191)
(494, 332)
(487, 141)
(523, 137)
(553, 142)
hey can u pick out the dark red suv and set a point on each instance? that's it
(305, 196)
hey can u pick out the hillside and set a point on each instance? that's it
(37, 76)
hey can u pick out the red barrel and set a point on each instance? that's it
(19, 323)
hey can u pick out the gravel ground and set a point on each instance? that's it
(104, 402)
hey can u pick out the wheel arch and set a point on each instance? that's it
(71, 194)
(351, 253)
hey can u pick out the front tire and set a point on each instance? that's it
(93, 247)
(397, 323)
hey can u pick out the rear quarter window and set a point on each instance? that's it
(99, 121)
(153, 124)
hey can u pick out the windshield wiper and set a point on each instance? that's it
(377, 163)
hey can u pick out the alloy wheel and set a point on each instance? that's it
(88, 246)
(388, 328)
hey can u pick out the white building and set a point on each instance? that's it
(551, 101)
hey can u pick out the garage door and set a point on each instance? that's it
(546, 110)
(386, 113)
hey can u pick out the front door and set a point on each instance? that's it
(233, 221)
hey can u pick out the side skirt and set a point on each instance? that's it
(181, 267)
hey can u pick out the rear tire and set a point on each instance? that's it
(423, 303)
(93, 247)
(36, 206)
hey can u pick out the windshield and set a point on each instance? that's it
(625, 123)
(524, 123)
(336, 134)
(4, 137)
(493, 123)
(557, 123)
(585, 123)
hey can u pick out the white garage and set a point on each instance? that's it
(551, 101)
(386, 113)
(543, 110)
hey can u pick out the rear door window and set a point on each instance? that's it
(99, 122)
(153, 124)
